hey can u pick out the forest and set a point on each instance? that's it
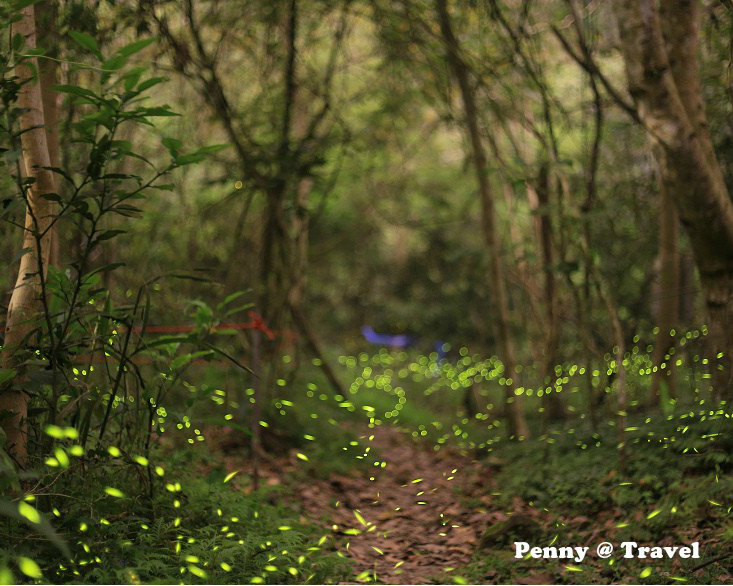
(366, 291)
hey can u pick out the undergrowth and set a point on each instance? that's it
(674, 490)
(134, 522)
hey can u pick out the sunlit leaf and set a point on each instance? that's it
(87, 41)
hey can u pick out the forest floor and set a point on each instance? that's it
(429, 516)
(418, 519)
(410, 517)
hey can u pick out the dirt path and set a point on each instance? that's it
(416, 520)
(408, 524)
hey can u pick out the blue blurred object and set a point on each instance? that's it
(399, 341)
(439, 349)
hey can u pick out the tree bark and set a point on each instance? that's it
(524, 275)
(659, 46)
(46, 15)
(543, 220)
(620, 347)
(668, 305)
(25, 304)
(497, 284)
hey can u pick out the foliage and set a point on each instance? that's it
(203, 530)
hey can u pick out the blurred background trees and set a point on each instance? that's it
(465, 172)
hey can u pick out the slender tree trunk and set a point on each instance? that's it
(525, 276)
(312, 340)
(277, 244)
(25, 305)
(581, 298)
(300, 248)
(47, 13)
(256, 415)
(515, 415)
(620, 346)
(274, 266)
(659, 45)
(668, 303)
(540, 201)
(300, 221)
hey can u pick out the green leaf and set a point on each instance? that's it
(105, 268)
(212, 148)
(131, 78)
(127, 211)
(172, 144)
(229, 298)
(135, 47)
(7, 374)
(87, 41)
(107, 234)
(19, 5)
(18, 42)
(114, 63)
(239, 308)
(200, 154)
(76, 91)
(180, 361)
(158, 111)
(148, 83)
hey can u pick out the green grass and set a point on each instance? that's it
(676, 489)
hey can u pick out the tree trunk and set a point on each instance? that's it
(25, 305)
(659, 45)
(277, 244)
(668, 303)
(256, 415)
(47, 13)
(620, 347)
(525, 276)
(540, 202)
(314, 344)
(497, 284)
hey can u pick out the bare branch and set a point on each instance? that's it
(586, 61)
